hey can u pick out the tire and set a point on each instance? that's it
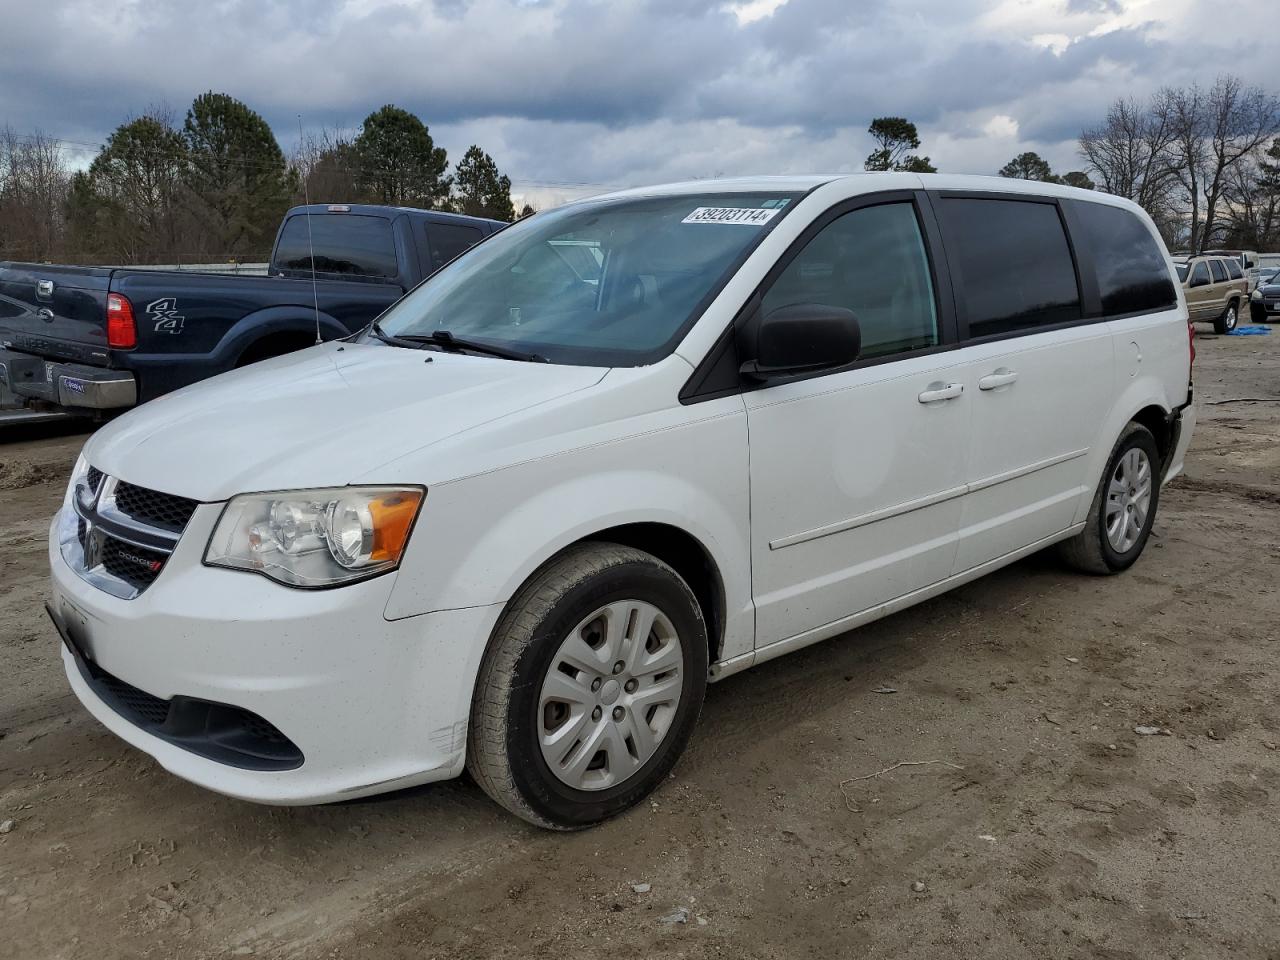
(1227, 322)
(1094, 549)
(1258, 312)
(583, 596)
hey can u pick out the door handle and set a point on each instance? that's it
(941, 391)
(994, 381)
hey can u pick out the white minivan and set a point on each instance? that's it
(615, 451)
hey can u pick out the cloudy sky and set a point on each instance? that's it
(572, 96)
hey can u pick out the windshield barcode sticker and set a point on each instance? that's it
(750, 216)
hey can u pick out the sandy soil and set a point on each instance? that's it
(1051, 830)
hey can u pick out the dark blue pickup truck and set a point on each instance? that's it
(91, 339)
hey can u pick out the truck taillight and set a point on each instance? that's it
(122, 332)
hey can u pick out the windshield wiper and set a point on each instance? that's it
(448, 342)
(376, 331)
(445, 340)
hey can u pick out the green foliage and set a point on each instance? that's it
(1028, 166)
(526, 211)
(1078, 178)
(399, 162)
(128, 201)
(915, 164)
(481, 190)
(895, 138)
(236, 171)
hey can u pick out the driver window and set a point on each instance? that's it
(871, 261)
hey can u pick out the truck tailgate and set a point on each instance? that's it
(55, 311)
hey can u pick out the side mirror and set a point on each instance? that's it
(802, 338)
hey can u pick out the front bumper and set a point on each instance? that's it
(372, 705)
(66, 384)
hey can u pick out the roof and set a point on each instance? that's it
(866, 180)
(387, 210)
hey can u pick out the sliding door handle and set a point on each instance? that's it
(994, 381)
(941, 391)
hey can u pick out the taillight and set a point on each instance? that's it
(122, 332)
(1191, 339)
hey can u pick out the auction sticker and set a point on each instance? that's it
(749, 216)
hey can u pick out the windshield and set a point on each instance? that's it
(605, 283)
(1182, 269)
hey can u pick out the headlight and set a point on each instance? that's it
(78, 474)
(316, 538)
(1257, 295)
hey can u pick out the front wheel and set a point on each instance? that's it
(1227, 322)
(590, 688)
(1123, 509)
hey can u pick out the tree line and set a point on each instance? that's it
(215, 186)
(1203, 162)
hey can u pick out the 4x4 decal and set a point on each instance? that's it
(165, 314)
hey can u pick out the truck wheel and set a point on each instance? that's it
(590, 688)
(1227, 322)
(1123, 508)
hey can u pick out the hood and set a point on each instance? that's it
(317, 418)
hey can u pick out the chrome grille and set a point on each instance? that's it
(119, 536)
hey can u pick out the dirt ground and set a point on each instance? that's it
(1051, 830)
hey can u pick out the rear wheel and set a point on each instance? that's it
(590, 688)
(1227, 322)
(1123, 509)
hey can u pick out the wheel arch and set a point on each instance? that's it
(686, 555)
(257, 326)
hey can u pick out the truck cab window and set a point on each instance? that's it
(345, 245)
(447, 240)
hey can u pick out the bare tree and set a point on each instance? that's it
(1186, 111)
(1252, 202)
(1240, 121)
(1129, 153)
(33, 187)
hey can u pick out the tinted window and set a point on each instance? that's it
(870, 261)
(447, 240)
(1182, 271)
(1132, 274)
(1014, 264)
(1233, 270)
(1199, 273)
(1219, 272)
(351, 246)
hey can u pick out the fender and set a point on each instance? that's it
(1141, 392)
(550, 503)
(262, 323)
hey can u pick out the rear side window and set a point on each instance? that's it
(1132, 274)
(345, 245)
(1234, 271)
(1219, 272)
(871, 261)
(1013, 262)
(447, 240)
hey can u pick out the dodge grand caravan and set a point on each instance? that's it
(613, 452)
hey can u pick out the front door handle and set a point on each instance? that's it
(994, 381)
(941, 391)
